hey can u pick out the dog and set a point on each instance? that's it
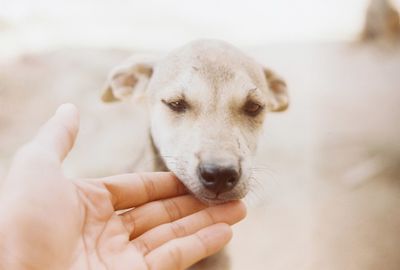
(207, 102)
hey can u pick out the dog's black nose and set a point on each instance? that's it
(217, 178)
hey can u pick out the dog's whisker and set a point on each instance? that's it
(263, 169)
(262, 183)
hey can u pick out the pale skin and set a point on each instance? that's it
(51, 222)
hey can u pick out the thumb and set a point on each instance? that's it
(57, 135)
(43, 155)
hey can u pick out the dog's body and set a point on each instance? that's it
(207, 103)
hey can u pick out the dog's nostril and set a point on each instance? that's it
(208, 175)
(218, 178)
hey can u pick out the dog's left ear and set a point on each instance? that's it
(279, 91)
(126, 80)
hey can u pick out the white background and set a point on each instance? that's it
(151, 24)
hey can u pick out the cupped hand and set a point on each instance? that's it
(131, 221)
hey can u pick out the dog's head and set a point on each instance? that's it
(208, 102)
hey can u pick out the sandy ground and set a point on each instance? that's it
(327, 191)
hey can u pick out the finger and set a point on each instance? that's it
(229, 213)
(183, 252)
(55, 138)
(36, 174)
(132, 190)
(148, 216)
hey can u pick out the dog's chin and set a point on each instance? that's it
(210, 198)
(212, 201)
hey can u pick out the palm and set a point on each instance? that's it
(104, 243)
(116, 238)
(133, 221)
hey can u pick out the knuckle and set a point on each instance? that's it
(172, 208)
(142, 246)
(203, 243)
(178, 229)
(149, 187)
(175, 254)
(209, 216)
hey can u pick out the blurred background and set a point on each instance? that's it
(37, 25)
(327, 194)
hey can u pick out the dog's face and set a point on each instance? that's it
(208, 102)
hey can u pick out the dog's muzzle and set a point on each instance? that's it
(218, 179)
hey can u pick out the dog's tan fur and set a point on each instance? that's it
(216, 80)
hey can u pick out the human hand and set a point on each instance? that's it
(51, 222)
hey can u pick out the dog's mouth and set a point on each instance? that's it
(212, 199)
(195, 187)
(211, 184)
(215, 200)
(209, 197)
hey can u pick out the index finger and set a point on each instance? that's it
(183, 252)
(132, 190)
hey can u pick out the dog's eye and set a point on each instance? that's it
(252, 108)
(177, 106)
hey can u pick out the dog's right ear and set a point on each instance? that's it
(279, 90)
(125, 80)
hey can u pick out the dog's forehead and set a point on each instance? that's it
(215, 62)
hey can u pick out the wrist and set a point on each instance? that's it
(22, 245)
(11, 250)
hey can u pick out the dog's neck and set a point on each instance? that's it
(158, 162)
